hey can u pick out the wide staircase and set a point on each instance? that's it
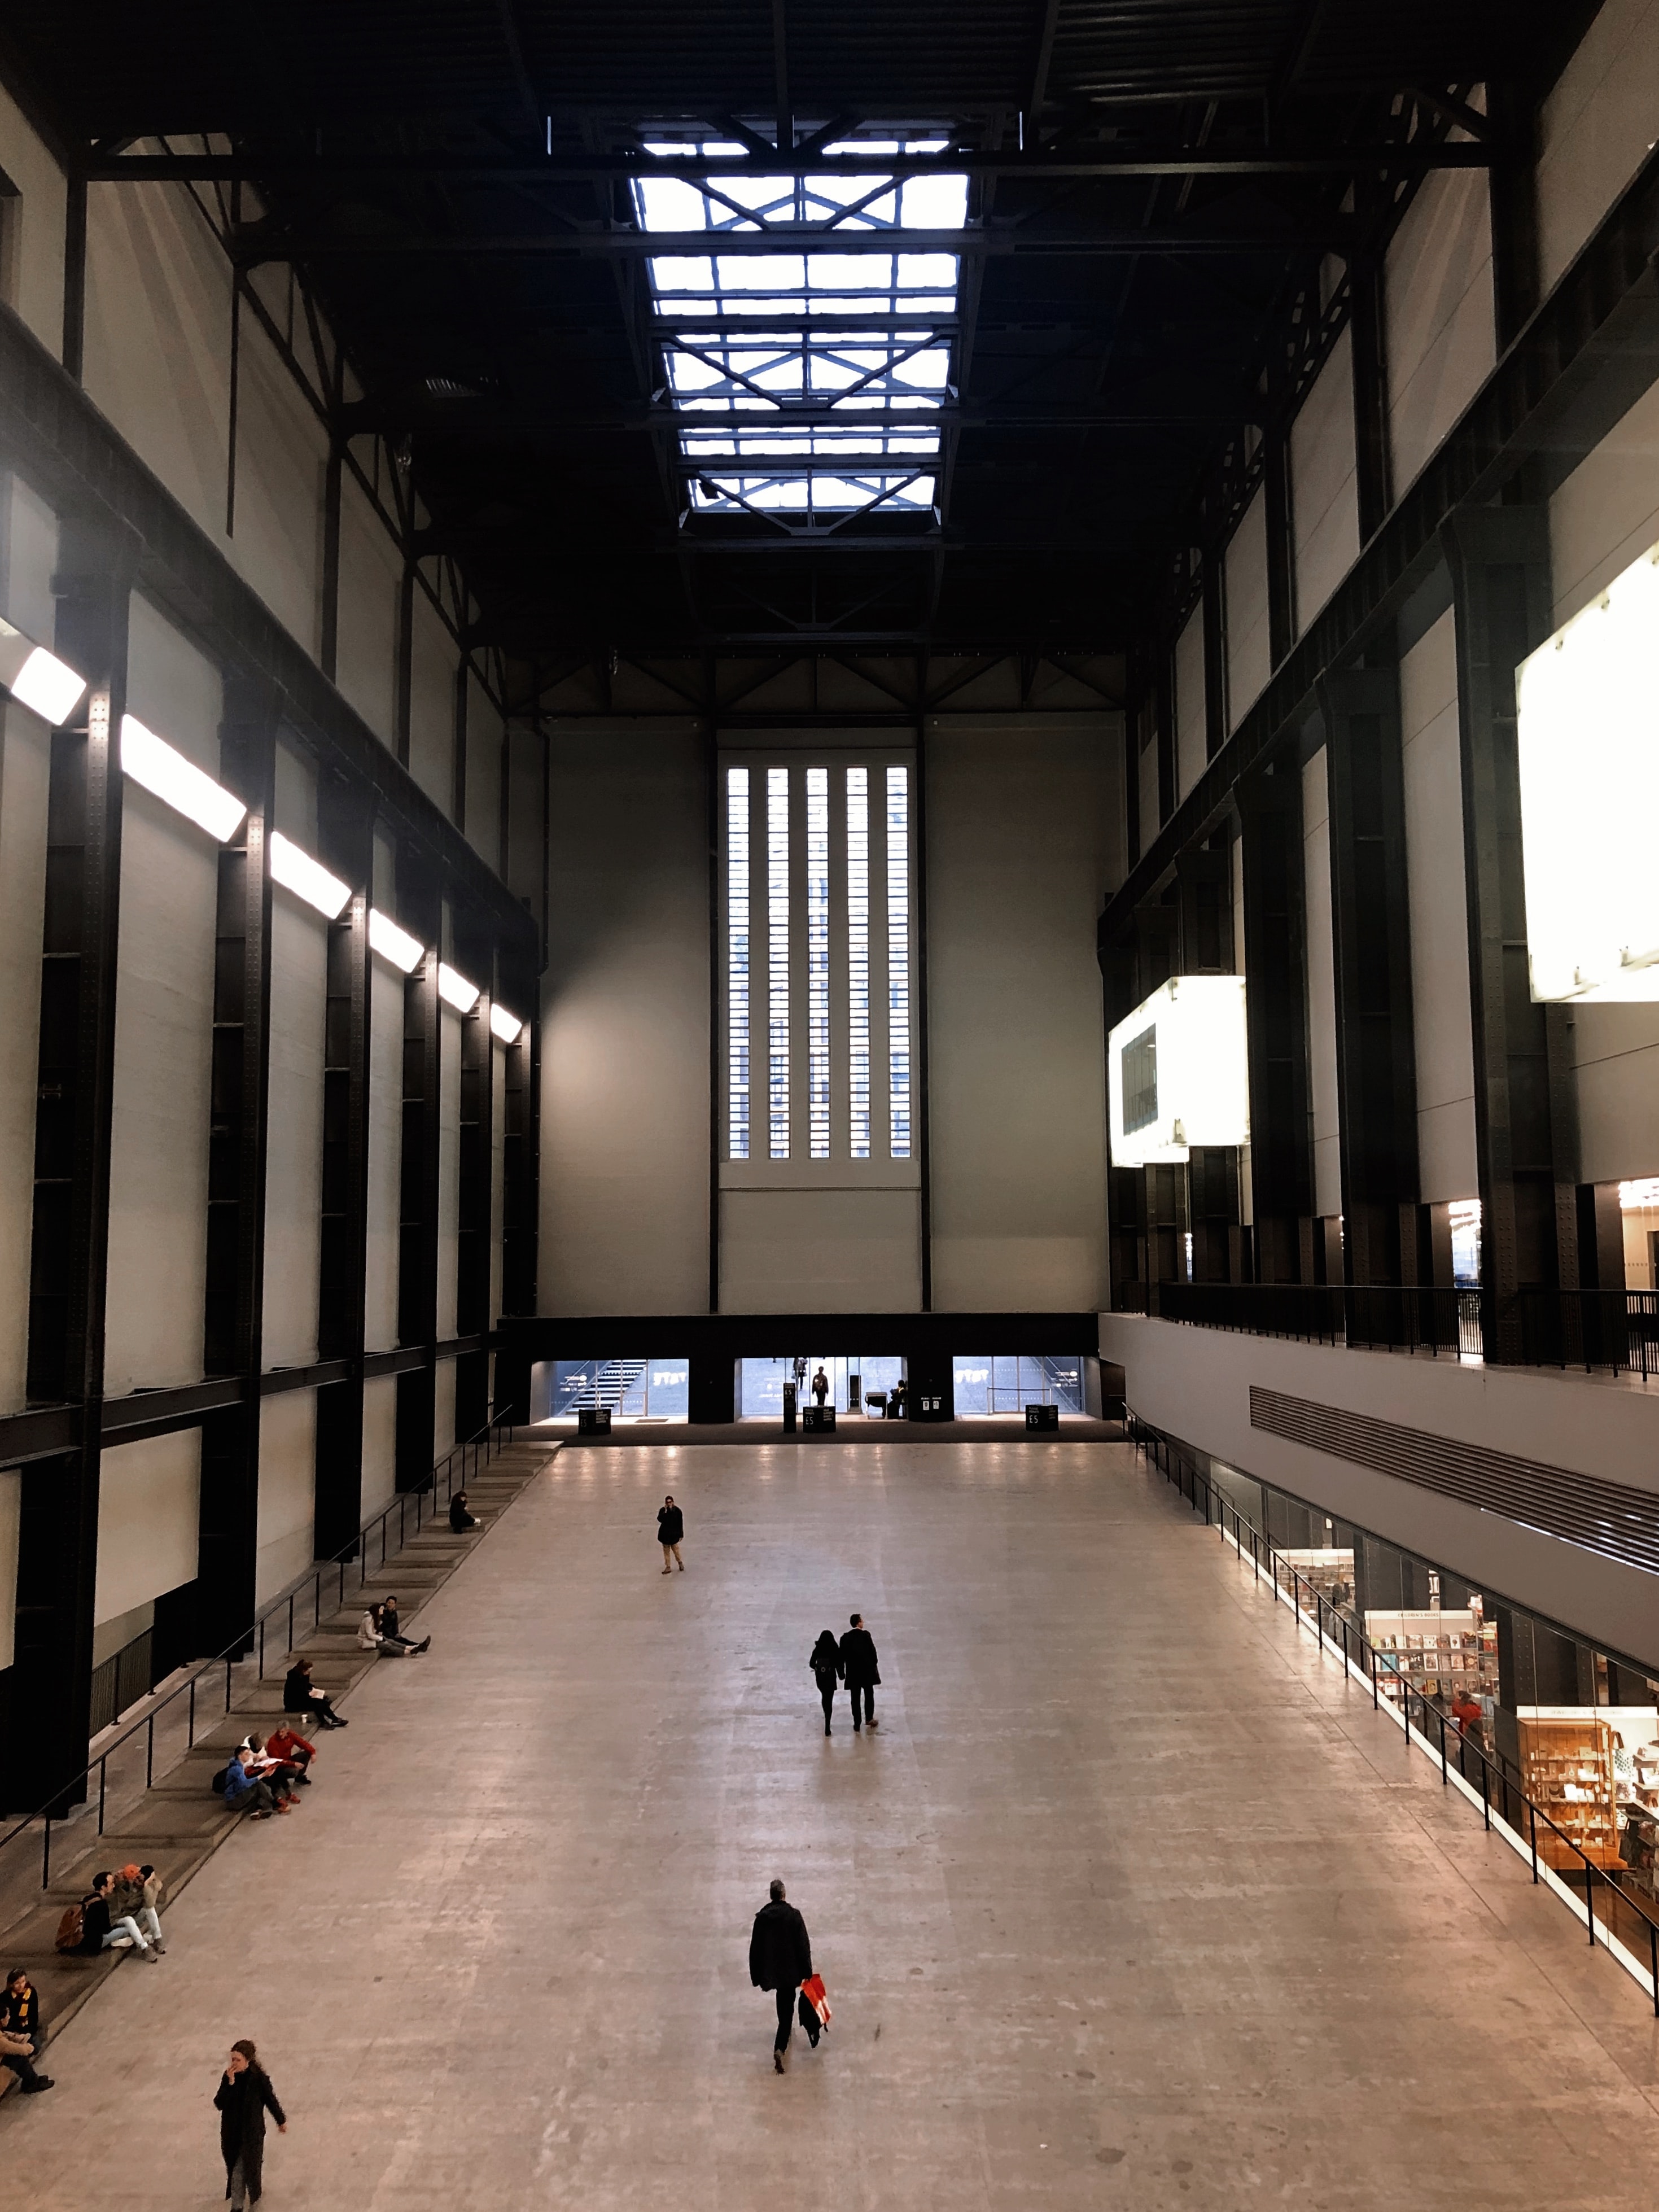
(156, 1804)
(614, 1383)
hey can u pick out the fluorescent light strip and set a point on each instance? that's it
(504, 1025)
(455, 989)
(150, 760)
(393, 944)
(307, 878)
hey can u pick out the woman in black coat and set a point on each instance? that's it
(825, 1663)
(244, 2098)
(671, 1532)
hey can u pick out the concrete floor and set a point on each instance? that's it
(1132, 1902)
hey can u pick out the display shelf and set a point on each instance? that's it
(1566, 1769)
(1326, 1574)
(1437, 1654)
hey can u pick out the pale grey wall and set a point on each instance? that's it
(625, 1014)
(1024, 828)
(1439, 916)
(1321, 988)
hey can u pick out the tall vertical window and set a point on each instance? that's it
(817, 962)
(777, 962)
(736, 961)
(858, 958)
(898, 959)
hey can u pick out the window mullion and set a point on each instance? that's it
(880, 1107)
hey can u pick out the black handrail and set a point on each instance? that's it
(481, 1446)
(1431, 1317)
(1369, 1665)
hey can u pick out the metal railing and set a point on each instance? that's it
(1629, 1930)
(1427, 1317)
(1614, 1329)
(248, 1645)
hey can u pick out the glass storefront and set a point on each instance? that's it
(857, 1384)
(634, 1389)
(984, 1382)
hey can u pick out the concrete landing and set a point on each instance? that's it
(1132, 1904)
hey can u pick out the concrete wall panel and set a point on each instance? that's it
(1440, 331)
(1321, 989)
(1597, 127)
(1324, 497)
(148, 1509)
(1248, 654)
(288, 1472)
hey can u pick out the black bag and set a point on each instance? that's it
(810, 2020)
(217, 1784)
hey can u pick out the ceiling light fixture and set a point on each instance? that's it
(455, 989)
(393, 944)
(504, 1025)
(37, 679)
(307, 878)
(161, 769)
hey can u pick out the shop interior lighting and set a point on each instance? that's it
(504, 1025)
(150, 760)
(393, 944)
(37, 679)
(1178, 1073)
(307, 878)
(1589, 747)
(455, 990)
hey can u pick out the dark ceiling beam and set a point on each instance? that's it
(257, 243)
(1045, 54)
(765, 161)
(523, 418)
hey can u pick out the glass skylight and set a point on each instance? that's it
(751, 336)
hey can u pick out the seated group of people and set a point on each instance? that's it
(378, 1631)
(266, 1777)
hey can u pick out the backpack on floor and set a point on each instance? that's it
(217, 1784)
(71, 1929)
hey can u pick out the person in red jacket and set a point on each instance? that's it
(293, 1750)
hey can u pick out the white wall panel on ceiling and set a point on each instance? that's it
(1606, 514)
(1439, 916)
(1146, 769)
(293, 1135)
(1021, 855)
(28, 558)
(1191, 726)
(443, 1409)
(157, 352)
(1321, 989)
(386, 1152)
(1324, 495)
(1249, 661)
(433, 658)
(371, 579)
(380, 1443)
(1438, 321)
(288, 1487)
(148, 1517)
(282, 469)
(485, 736)
(449, 1168)
(1597, 127)
(625, 1013)
(11, 1509)
(25, 774)
(36, 224)
(163, 1031)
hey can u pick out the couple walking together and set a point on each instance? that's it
(852, 1661)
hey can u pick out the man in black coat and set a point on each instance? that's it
(781, 1959)
(858, 1660)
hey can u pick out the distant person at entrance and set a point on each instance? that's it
(825, 1663)
(781, 1959)
(820, 1388)
(858, 1664)
(670, 1531)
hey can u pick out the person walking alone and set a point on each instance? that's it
(780, 1959)
(670, 1530)
(858, 1664)
(245, 2096)
(825, 1663)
